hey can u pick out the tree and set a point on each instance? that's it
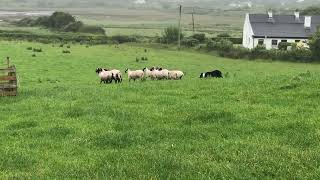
(315, 45)
(313, 10)
(73, 27)
(171, 34)
(59, 20)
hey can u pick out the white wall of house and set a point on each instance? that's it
(247, 39)
(267, 42)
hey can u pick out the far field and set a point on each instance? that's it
(261, 121)
(141, 22)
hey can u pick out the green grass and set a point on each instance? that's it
(261, 122)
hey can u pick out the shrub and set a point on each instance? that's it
(29, 48)
(284, 45)
(66, 52)
(315, 45)
(224, 35)
(92, 30)
(236, 53)
(123, 39)
(37, 50)
(171, 34)
(222, 45)
(73, 27)
(200, 37)
(58, 20)
(233, 40)
(190, 42)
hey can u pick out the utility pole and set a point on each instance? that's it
(193, 20)
(179, 34)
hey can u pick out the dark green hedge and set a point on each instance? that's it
(233, 40)
(61, 38)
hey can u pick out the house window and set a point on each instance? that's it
(284, 40)
(260, 41)
(274, 42)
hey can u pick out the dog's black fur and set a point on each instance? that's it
(214, 74)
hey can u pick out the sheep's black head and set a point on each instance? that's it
(144, 69)
(152, 69)
(98, 70)
(160, 69)
(126, 70)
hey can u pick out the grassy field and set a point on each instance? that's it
(261, 121)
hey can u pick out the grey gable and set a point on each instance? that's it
(282, 26)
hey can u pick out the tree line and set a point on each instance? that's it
(61, 21)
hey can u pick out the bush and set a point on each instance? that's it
(284, 45)
(233, 40)
(236, 53)
(315, 45)
(73, 27)
(58, 20)
(29, 48)
(221, 45)
(200, 37)
(66, 52)
(123, 39)
(224, 35)
(171, 34)
(190, 42)
(37, 50)
(92, 30)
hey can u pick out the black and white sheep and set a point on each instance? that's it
(214, 74)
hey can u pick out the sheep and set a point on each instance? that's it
(134, 75)
(162, 74)
(149, 74)
(176, 75)
(117, 75)
(215, 74)
(105, 76)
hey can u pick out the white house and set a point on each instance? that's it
(269, 30)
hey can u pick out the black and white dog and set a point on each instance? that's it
(215, 74)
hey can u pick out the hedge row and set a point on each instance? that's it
(225, 48)
(233, 40)
(85, 39)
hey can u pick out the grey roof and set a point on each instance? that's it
(286, 26)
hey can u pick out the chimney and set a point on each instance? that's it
(307, 22)
(297, 15)
(270, 14)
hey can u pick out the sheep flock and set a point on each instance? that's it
(107, 76)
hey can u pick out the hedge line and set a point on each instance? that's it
(73, 38)
(231, 39)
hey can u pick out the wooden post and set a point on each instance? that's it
(193, 21)
(8, 61)
(179, 34)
